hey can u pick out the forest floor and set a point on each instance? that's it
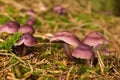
(49, 61)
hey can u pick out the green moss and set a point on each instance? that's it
(36, 72)
(10, 41)
(45, 66)
(21, 19)
(82, 69)
(44, 77)
(10, 10)
(12, 61)
(51, 78)
(3, 19)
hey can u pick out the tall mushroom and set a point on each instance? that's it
(96, 40)
(27, 40)
(84, 51)
(10, 27)
(67, 38)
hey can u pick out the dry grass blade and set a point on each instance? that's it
(45, 36)
(116, 71)
(1, 40)
(102, 66)
(68, 74)
(5, 51)
(9, 67)
(13, 55)
(17, 70)
(14, 3)
(26, 75)
(55, 71)
(11, 76)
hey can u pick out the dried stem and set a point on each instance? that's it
(100, 62)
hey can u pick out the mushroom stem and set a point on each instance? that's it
(89, 62)
(24, 50)
(68, 51)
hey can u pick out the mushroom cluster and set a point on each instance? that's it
(83, 49)
(26, 39)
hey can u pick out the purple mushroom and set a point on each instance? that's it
(31, 21)
(59, 10)
(96, 40)
(84, 51)
(10, 27)
(67, 38)
(30, 12)
(27, 40)
(26, 29)
(17, 49)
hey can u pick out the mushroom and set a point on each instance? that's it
(96, 40)
(67, 38)
(59, 10)
(84, 51)
(17, 49)
(30, 12)
(26, 29)
(102, 48)
(10, 27)
(28, 40)
(31, 21)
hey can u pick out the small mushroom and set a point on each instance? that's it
(59, 10)
(96, 40)
(31, 21)
(17, 49)
(26, 29)
(102, 48)
(28, 40)
(30, 12)
(10, 27)
(85, 52)
(67, 38)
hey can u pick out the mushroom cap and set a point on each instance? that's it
(94, 39)
(103, 49)
(31, 21)
(10, 27)
(83, 51)
(27, 39)
(26, 29)
(30, 12)
(67, 37)
(59, 9)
